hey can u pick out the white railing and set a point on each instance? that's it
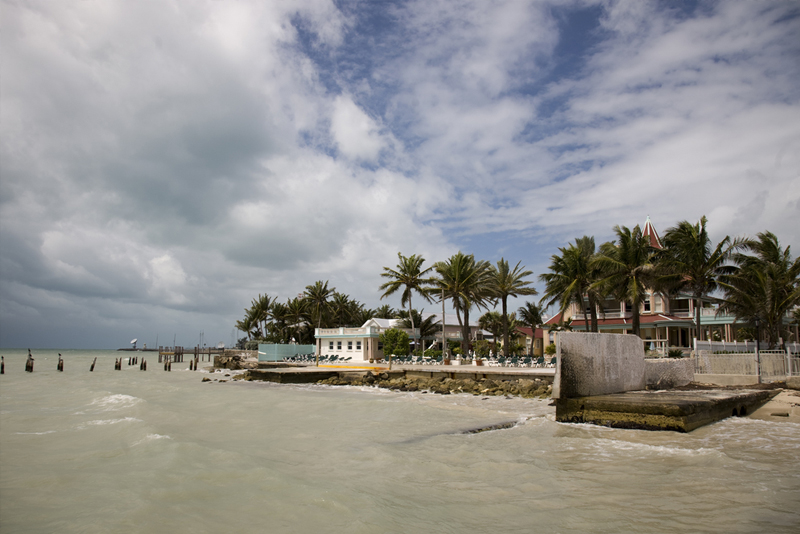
(741, 346)
(775, 364)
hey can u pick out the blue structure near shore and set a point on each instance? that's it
(271, 352)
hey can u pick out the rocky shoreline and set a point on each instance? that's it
(526, 388)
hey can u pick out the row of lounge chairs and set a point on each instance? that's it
(312, 358)
(497, 361)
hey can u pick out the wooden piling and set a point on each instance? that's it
(2, 365)
(91, 369)
(60, 366)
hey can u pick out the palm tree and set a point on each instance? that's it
(296, 313)
(410, 276)
(341, 308)
(688, 263)
(261, 307)
(428, 327)
(317, 296)
(246, 325)
(467, 283)
(494, 323)
(531, 315)
(626, 269)
(385, 312)
(280, 318)
(571, 277)
(764, 285)
(509, 283)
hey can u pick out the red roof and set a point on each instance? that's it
(650, 232)
(643, 319)
(527, 331)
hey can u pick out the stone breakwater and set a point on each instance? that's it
(527, 388)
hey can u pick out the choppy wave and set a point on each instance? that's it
(35, 433)
(110, 403)
(151, 437)
(660, 450)
(103, 422)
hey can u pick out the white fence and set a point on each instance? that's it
(775, 364)
(737, 347)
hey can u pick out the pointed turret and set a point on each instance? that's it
(649, 231)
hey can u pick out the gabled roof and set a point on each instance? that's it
(649, 231)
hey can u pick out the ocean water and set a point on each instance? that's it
(131, 451)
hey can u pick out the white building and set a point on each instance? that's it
(363, 344)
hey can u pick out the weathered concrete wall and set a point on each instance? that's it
(598, 364)
(664, 373)
(726, 380)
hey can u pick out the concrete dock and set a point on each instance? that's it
(682, 411)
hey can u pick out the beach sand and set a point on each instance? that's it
(783, 407)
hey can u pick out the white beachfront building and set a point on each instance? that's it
(363, 343)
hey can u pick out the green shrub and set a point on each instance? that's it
(395, 341)
(550, 349)
(674, 353)
(481, 348)
(251, 345)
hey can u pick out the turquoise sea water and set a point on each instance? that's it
(132, 451)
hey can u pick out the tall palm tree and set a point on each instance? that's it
(688, 263)
(506, 283)
(765, 284)
(467, 283)
(296, 314)
(571, 279)
(531, 315)
(261, 307)
(317, 296)
(626, 268)
(280, 319)
(493, 322)
(341, 308)
(246, 325)
(410, 276)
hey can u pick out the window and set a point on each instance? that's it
(358, 345)
(330, 345)
(380, 345)
(338, 345)
(349, 345)
(646, 304)
(657, 302)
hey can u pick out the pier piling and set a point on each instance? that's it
(91, 369)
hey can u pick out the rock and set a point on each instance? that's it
(206, 379)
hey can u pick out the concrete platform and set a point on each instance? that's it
(681, 411)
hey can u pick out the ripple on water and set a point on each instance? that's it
(109, 403)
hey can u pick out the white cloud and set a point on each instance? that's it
(355, 132)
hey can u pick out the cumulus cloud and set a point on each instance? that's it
(163, 163)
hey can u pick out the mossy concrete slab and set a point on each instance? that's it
(681, 411)
(295, 375)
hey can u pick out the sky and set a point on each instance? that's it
(164, 162)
